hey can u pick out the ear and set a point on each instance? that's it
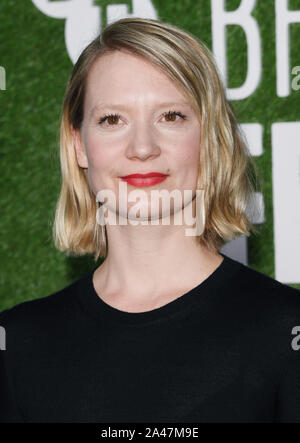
(79, 148)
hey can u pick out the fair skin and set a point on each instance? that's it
(147, 266)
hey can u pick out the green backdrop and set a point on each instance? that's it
(33, 52)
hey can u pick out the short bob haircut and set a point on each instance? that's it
(228, 174)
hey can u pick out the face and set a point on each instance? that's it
(136, 121)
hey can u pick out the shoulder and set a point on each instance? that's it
(265, 288)
(263, 301)
(49, 310)
(264, 316)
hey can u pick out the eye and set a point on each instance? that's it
(171, 114)
(113, 118)
(109, 117)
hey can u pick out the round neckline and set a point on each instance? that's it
(96, 307)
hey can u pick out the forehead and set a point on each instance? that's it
(123, 77)
(111, 64)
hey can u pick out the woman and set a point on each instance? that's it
(167, 328)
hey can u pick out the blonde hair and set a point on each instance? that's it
(228, 173)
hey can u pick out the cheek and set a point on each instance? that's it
(100, 162)
(189, 149)
(100, 157)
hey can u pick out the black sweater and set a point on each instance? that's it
(221, 352)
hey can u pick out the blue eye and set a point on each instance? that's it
(117, 116)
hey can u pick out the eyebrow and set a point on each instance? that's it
(125, 107)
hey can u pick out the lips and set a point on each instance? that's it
(141, 180)
(150, 174)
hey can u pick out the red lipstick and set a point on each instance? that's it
(150, 179)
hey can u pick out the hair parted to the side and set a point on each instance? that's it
(228, 174)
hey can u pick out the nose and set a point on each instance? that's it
(142, 143)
